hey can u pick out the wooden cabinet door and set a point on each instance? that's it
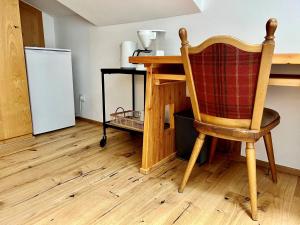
(15, 115)
(32, 26)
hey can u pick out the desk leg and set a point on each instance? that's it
(159, 142)
(145, 91)
(146, 156)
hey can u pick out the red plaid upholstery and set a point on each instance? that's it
(225, 79)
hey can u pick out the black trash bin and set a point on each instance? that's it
(185, 137)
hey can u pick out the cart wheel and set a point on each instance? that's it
(103, 142)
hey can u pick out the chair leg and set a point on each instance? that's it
(212, 150)
(270, 154)
(251, 165)
(196, 150)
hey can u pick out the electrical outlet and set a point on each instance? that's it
(82, 98)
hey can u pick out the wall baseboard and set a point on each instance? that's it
(280, 168)
(89, 120)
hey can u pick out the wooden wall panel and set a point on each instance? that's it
(15, 116)
(32, 26)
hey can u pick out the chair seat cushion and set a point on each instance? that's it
(270, 120)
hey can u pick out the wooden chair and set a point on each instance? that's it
(227, 80)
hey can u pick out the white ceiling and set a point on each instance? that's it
(51, 7)
(109, 12)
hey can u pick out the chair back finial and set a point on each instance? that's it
(271, 27)
(183, 37)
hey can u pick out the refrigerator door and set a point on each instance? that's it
(50, 81)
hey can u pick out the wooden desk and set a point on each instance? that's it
(166, 87)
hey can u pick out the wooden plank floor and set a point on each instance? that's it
(64, 177)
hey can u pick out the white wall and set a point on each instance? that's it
(98, 47)
(73, 33)
(49, 33)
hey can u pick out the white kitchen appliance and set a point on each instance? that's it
(50, 82)
(154, 37)
(148, 39)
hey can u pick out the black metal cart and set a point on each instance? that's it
(131, 72)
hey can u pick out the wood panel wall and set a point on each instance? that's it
(32, 26)
(15, 116)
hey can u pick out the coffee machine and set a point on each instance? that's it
(149, 38)
(146, 38)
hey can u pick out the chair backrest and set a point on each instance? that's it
(227, 78)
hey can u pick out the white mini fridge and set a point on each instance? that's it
(50, 80)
